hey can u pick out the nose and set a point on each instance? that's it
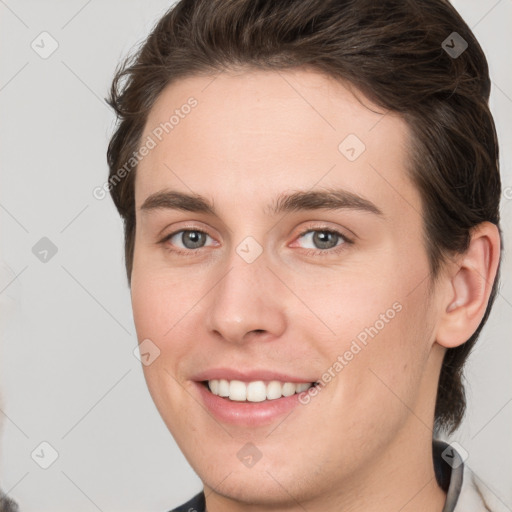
(248, 302)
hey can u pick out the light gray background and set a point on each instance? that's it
(68, 373)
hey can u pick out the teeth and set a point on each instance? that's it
(274, 390)
(214, 386)
(237, 391)
(289, 388)
(255, 391)
(303, 386)
(223, 388)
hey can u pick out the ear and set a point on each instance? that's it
(469, 286)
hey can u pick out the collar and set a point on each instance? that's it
(449, 471)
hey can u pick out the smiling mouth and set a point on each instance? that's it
(255, 391)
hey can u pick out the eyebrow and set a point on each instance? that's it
(333, 199)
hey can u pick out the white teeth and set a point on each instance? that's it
(302, 387)
(255, 391)
(274, 390)
(214, 387)
(289, 388)
(223, 388)
(237, 391)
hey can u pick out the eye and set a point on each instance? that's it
(323, 240)
(187, 239)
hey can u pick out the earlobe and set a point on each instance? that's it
(469, 287)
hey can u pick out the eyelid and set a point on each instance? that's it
(332, 251)
(183, 229)
(322, 226)
(190, 225)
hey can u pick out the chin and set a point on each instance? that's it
(261, 488)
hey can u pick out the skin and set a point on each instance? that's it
(365, 441)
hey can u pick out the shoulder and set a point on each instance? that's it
(6, 504)
(465, 491)
(196, 504)
(476, 496)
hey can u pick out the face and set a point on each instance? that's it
(278, 244)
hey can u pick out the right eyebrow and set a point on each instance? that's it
(168, 199)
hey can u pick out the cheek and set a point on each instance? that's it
(352, 308)
(160, 299)
(160, 315)
(165, 308)
(380, 334)
(389, 372)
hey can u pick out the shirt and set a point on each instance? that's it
(464, 492)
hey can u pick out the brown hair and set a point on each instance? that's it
(393, 52)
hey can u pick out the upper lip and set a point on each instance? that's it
(248, 375)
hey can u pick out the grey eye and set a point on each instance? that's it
(323, 239)
(189, 239)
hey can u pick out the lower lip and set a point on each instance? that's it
(249, 414)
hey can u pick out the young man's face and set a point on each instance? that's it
(256, 299)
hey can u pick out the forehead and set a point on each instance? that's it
(251, 134)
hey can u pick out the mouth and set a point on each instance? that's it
(254, 391)
(252, 397)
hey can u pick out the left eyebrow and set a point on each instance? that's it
(333, 199)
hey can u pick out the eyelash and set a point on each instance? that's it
(310, 252)
(326, 252)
